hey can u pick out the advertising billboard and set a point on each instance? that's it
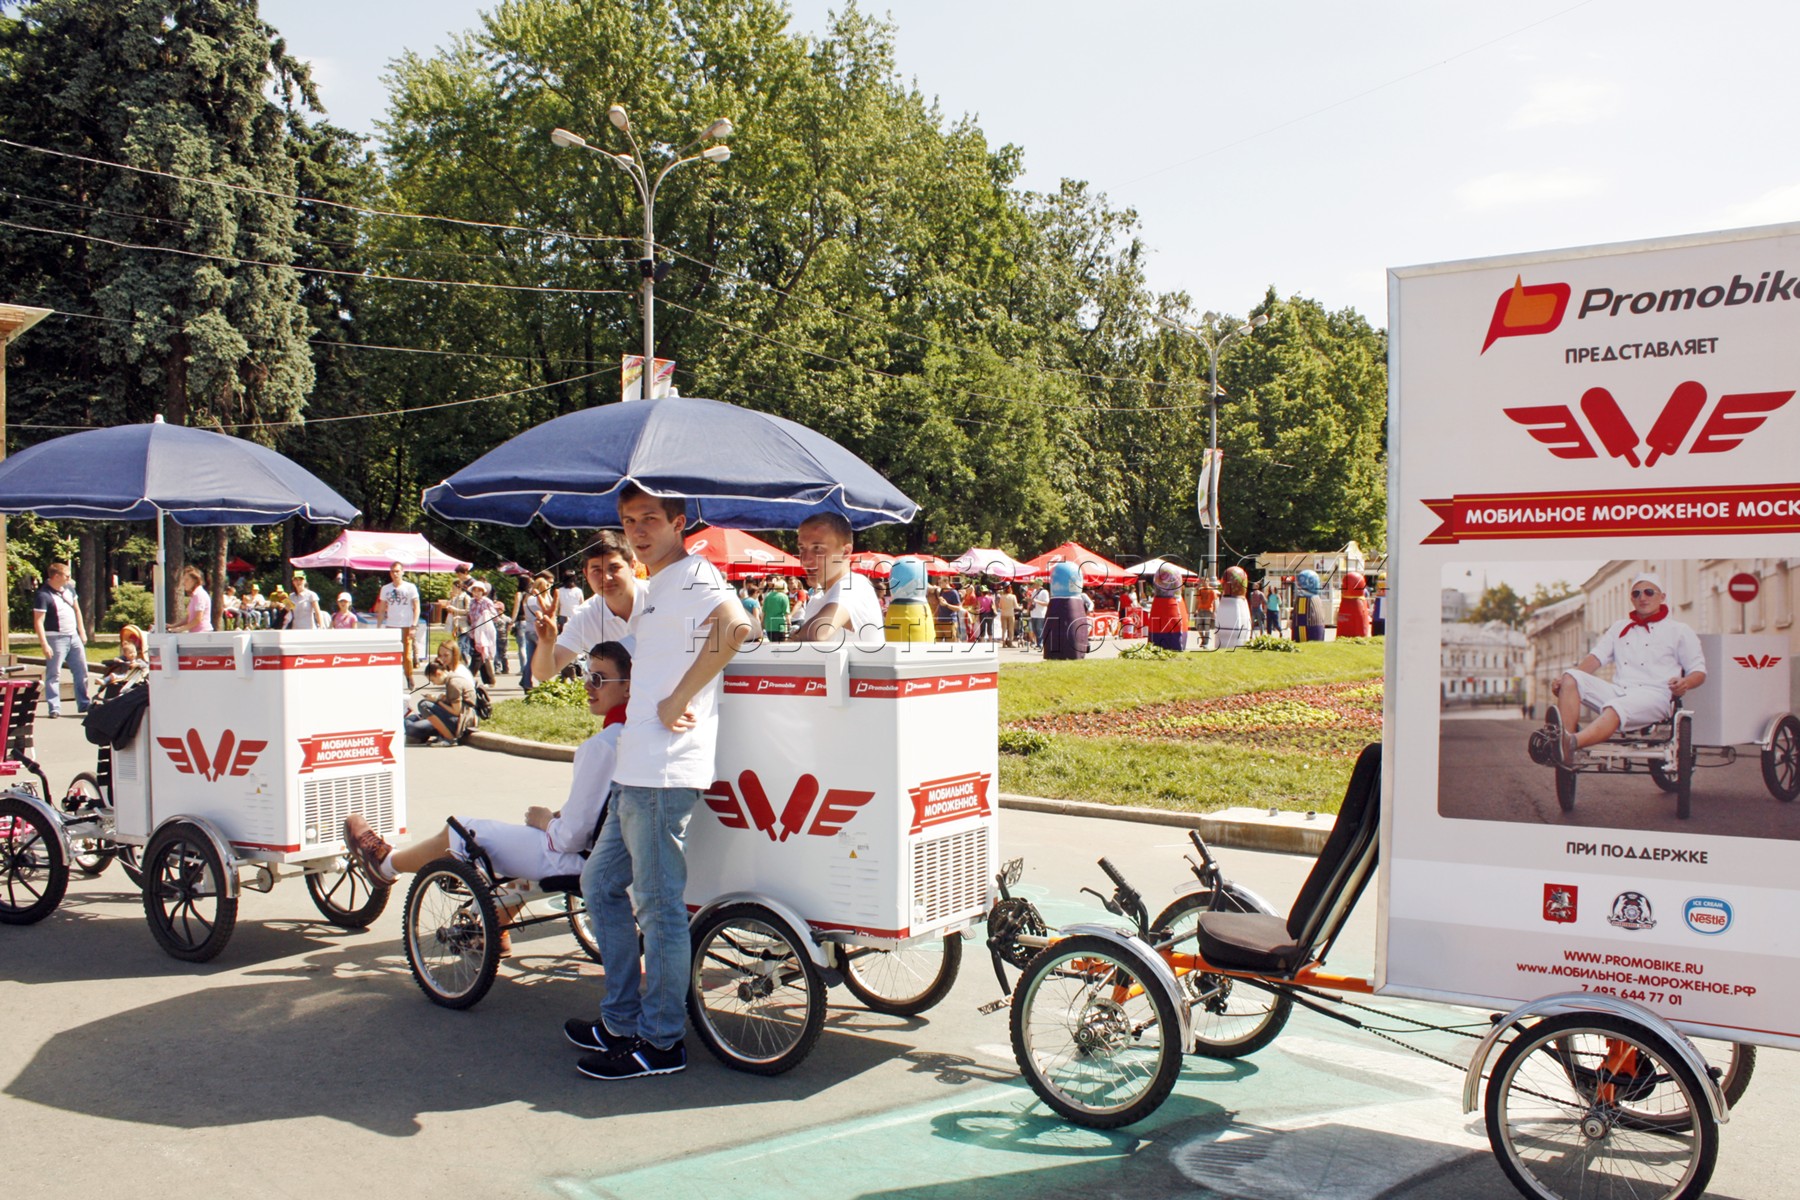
(1594, 524)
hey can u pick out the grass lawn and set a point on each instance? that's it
(1197, 733)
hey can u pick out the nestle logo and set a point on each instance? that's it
(1707, 914)
(749, 805)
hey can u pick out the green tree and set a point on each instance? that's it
(1497, 603)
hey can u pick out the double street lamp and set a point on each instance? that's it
(634, 165)
(1210, 340)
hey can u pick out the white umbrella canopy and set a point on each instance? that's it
(1150, 566)
(994, 564)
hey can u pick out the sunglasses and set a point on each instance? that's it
(597, 680)
(1637, 592)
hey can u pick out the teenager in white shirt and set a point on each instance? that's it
(843, 606)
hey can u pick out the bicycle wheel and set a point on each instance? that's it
(1781, 761)
(1565, 789)
(907, 981)
(755, 997)
(582, 926)
(1734, 1064)
(1594, 1105)
(452, 934)
(346, 895)
(131, 861)
(184, 894)
(1092, 1036)
(1231, 1018)
(1684, 769)
(33, 875)
(90, 856)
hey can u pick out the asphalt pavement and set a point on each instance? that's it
(304, 1062)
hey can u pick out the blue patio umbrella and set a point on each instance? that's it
(736, 467)
(140, 472)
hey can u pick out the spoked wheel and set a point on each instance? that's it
(1684, 768)
(1231, 1018)
(907, 981)
(1781, 761)
(452, 934)
(755, 997)
(33, 875)
(582, 926)
(184, 894)
(1094, 1038)
(90, 856)
(1594, 1105)
(1734, 1063)
(346, 894)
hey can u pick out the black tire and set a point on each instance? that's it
(33, 875)
(131, 861)
(755, 997)
(347, 895)
(907, 981)
(452, 934)
(90, 856)
(1664, 780)
(1736, 1063)
(582, 926)
(1781, 761)
(1231, 1018)
(1092, 1036)
(1684, 768)
(1563, 1124)
(184, 894)
(1565, 789)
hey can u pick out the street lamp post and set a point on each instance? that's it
(634, 165)
(1214, 345)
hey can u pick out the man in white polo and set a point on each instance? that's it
(843, 606)
(398, 608)
(1655, 661)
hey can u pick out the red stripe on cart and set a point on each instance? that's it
(829, 927)
(314, 662)
(198, 662)
(775, 685)
(933, 685)
(266, 846)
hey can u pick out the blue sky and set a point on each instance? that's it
(1307, 144)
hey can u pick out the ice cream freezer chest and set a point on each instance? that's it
(274, 736)
(858, 786)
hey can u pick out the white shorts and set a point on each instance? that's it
(1637, 706)
(517, 851)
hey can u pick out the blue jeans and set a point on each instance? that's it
(527, 648)
(418, 725)
(64, 646)
(643, 842)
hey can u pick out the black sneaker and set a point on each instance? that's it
(640, 1058)
(592, 1035)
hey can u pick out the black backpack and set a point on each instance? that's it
(484, 703)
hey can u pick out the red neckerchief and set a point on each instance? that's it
(1644, 622)
(614, 716)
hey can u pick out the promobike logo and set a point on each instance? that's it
(1560, 902)
(1756, 662)
(749, 806)
(940, 801)
(1522, 310)
(232, 757)
(1769, 287)
(1733, 418)
(1707, 914)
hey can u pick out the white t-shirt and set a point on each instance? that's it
(573, 829)
(402, 600)
(858, 596)
(568, 600)
(1040, 604)
(593, 622)
(306, 608)
(669, 622)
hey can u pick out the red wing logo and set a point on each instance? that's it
(1523, 310)
(754, 808)
(1733, 418)
(1756, 662)
(232, 757)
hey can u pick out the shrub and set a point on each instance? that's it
(1149, 652)
(558, 692)
(1023, 741)
(131, 605)
(1269, 641)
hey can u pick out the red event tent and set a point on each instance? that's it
(872, 562)
(738, 554)
(1094, 568)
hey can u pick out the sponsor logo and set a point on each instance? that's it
(1560, 901)
(875, 687)
(301, 660)
(1707, 914)
(806, 811)
(1733, 418)
(940, 801)
(1756, 662)
(349, 660)
(1771, 286)
(915, 686)
(231, 757)
(1631, 910)
(359, 746)
(1522, 310)
(774, 685)
(950, 683)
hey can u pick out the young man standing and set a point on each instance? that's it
(606, 616)
(398, 608)
(61, 636)
(690, 626)
(843, 606)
